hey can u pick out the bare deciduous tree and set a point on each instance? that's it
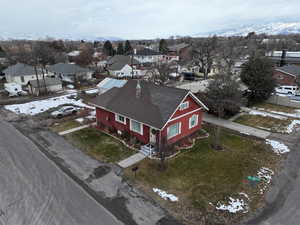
(204, 52)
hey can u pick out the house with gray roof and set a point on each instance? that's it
(287, 75)
(123, 66)
(21, 74)
(68, 72)
(152, 114)
(45, 85)
(147, 55)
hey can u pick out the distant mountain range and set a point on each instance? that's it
(269, 28)
(8, 36)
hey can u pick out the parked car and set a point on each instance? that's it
(292, 90)
(65, 111)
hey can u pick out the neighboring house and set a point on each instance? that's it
(123, 66)
(109, 83)
(150, 113)
(69, 72)
(21, 74)
(182, 50)
(287, 75)
(50, 85)
(147, 55)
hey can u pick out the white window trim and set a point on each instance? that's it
(142, 127)
(120, 121)
(179, 131)
(184, 103)
(197, 121)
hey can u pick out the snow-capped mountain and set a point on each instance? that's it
(21, 36)
(269, 28)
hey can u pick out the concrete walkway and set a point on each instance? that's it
(132, 160)
(236, 126)
(75, 129)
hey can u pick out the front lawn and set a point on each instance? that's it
(67, 125)
(264, 122)
(201, 177)
(99, 145)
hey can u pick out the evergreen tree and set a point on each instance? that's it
(120, 49)
(257, 74)
(108, 48)
(163, 46)
(128, 49)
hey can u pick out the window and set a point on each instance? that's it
(22, 79)
(120, 119)
(136, 127)
(184, 105)
(174, 130)
(193, 121)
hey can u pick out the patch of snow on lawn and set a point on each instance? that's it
(36, 107)
(92, 91)
(79, 120)
(233, 206)
(278, 147)
(292, 126)
(265, 114)
(296, 114)
(165, 195)
(265, 174)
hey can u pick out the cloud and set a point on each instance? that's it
(137, 18)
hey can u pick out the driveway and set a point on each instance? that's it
(34, 191)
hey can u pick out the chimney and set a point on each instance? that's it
(138, 90)
(283, 58)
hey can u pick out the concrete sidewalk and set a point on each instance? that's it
(236, 126)
(132, 160)
(75, 129)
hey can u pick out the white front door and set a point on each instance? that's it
(152, 136)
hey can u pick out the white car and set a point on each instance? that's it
(292, 90)
(65, 111)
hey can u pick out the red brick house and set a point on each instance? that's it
(287, 75)
(149, 112)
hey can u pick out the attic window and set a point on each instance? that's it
(184, 106)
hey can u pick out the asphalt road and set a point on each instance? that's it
(34, 191)
(283, 199)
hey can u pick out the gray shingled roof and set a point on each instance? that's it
(291, 69)
(117, 62)
(67, 68)
(147, 51)
(48, 81)
(19, 69)
(177, 47)
(154, 107)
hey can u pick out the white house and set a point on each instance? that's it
(21, 74)
(123, 66)
(120, 70)
(147, 55)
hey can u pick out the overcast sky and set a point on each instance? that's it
(136, 19)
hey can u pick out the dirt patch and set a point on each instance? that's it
(98, 172)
